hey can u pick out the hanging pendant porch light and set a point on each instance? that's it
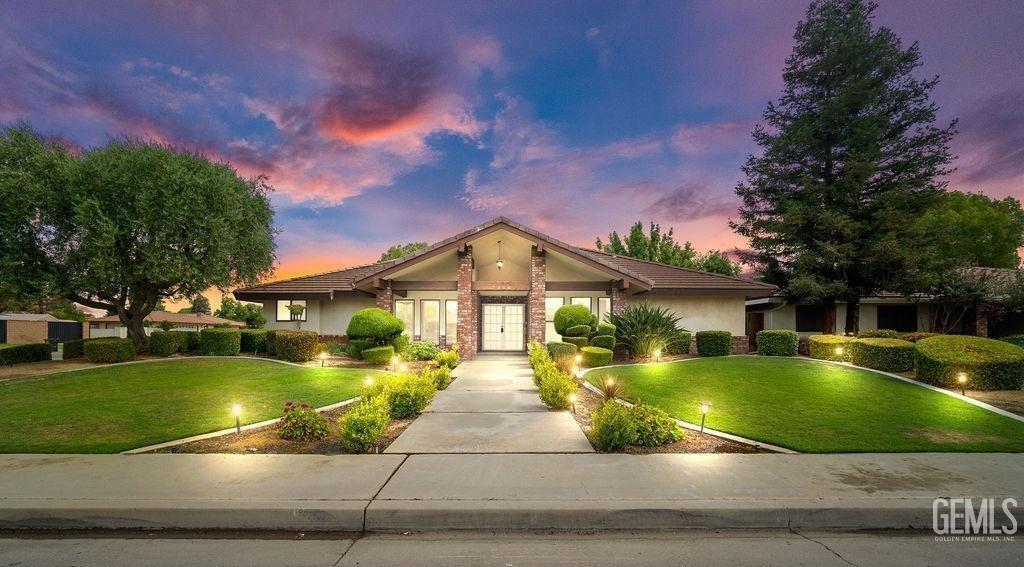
(500, 261)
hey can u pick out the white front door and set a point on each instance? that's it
(503, 326)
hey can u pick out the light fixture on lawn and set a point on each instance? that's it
(368, 381)
(572, 402)
(657, 355)
(323, 358)
(236, 410)
(961, 378)
(705, 407)
(839, 351)
(500, 262)
(394, 363)
(579, 358)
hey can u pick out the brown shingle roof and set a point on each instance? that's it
(322, 284)
(665, 276)
(176, 318)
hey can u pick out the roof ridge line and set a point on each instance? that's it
(737, 278)
(313, 275)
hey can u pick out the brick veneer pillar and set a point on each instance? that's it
(468, 328)
(618, 296)
(981, 320)
(535, 299)
(386, 297)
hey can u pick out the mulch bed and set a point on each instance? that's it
(693, 442)
(266, 440)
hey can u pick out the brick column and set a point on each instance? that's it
(981, 320)
(468, 326)
(535, 299)
(386, 297)
(618, 298)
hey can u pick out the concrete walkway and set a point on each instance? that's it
(574, 492)
(492, 407)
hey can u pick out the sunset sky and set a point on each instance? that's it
(383, 122)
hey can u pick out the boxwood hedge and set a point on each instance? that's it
(1014, 340)
(714, 343)
(577, 331)
(295, 346)
(220, 341)
(777, 342)
(988, 363)
(580, 342)
(379, 355)
(830, 347)
(879, 334)
(603, 341)
(568, 316)
(166, 343)
(560, 352)
(914, 337)
(74, 348)
(888, 355)
(109, 350)
(596, 356)
(34, 352)
(680, 344)
(374, 324)
(254, 340)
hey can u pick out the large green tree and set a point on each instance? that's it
(850, 159)
(971, 229)
(658, 246)
(249, 313)
(400, 250)
(124, 225)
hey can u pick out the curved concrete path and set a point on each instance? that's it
(492, 407)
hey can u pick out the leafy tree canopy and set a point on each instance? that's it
(658, 246)
(200, 305)
(249, 313)
(127, 224)
(850, 160)
(400, 250)
(972, 229)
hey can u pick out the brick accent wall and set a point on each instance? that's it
(740, 345)
(468, 329)
(981, 320)
(535, 299)
(618, 298)
(386, 297)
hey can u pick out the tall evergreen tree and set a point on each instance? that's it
(851, 156)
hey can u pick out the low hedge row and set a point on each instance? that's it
(1014, 340)
(295, 346)
(220, 342)
(34, 352)
(780, 342)
(989, 364)
(109, 350)
(885, 354)
(830, 347)
(681, 344)
(596, 356)
(166, 343)
(254, 340)
(379, 355)
(74, 348)
(714, 343)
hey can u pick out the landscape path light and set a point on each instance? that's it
(579, 359)
(839, 352)
(572, 402)
(657, 355)
(323, 358)
(961, 378)
(705, 407)
(236, 410)
(368, 381)
(394, 363)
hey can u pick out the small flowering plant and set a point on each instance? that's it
(302, 423)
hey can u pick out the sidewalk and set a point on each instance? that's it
(494, 492)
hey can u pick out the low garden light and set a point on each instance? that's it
(579, 359)
(394, 363)
(572, 402)
(575, 370)
(403, 368)
(961, 378)
(705, 407)
(368, 381)
(236, 410)
(839, 351)
(657, 355)
(323, 358)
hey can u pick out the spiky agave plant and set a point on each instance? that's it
(610, 388)
(644, 327)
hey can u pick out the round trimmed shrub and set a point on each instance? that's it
(379, 355)
(823, 347)
(220, 342)
(604, 330)
(879, 334)
(363, 425)
(914, 337)
(421, 350)
(888, 355)
(580, 342)
(408, 394)
(559, 350)
(357, 346)
(254, 340)
(295, 346)
(777, 342)
(714, 343)
(109, 350)
(164, 343)
(569, 316)
(448, 358)
(1014, 340)
(603, 341)
(614, 427)
(374, 324)
(577, 331)
(988, 363)
(596, 356)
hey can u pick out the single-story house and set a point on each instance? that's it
(110, 326)
(24, 328)
(496, 287)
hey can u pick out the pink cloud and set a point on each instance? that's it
(714, 137)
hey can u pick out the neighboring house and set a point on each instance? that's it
(496, 287)
(24, 328)
(110, 326)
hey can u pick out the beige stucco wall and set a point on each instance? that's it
(785, 317)
(704, 313)
(328, 317)
(312, 322)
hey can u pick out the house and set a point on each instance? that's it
(110, 326)
(496, 287)
(24, 328)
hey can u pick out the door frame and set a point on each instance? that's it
(501, 300)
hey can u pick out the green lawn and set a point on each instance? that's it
(816, 407)
(5, 345)
(115, 408)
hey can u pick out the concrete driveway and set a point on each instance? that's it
(492, 407)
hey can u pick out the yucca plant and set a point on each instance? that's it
(610, 388)
(644, 327)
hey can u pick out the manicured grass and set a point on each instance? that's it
(816, 407)
(5, 345)
(115, 408)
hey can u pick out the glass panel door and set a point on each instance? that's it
(503, 326)
(430, 320)
(513, 327)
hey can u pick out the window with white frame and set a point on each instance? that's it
(604, 307)
(285, 314)
(405, 310)
(587, 302)
(430, 320)
(551, 304)
(451, 320)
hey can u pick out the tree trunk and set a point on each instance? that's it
(136, 331)
(852, 316)
(828, 326)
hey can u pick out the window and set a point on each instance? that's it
(405, 310)
(430, 320)
(451, 321)
(587, 302)
(902, 318)
(604, 307)
(551, 304)
(810, 318)
(283, 314)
